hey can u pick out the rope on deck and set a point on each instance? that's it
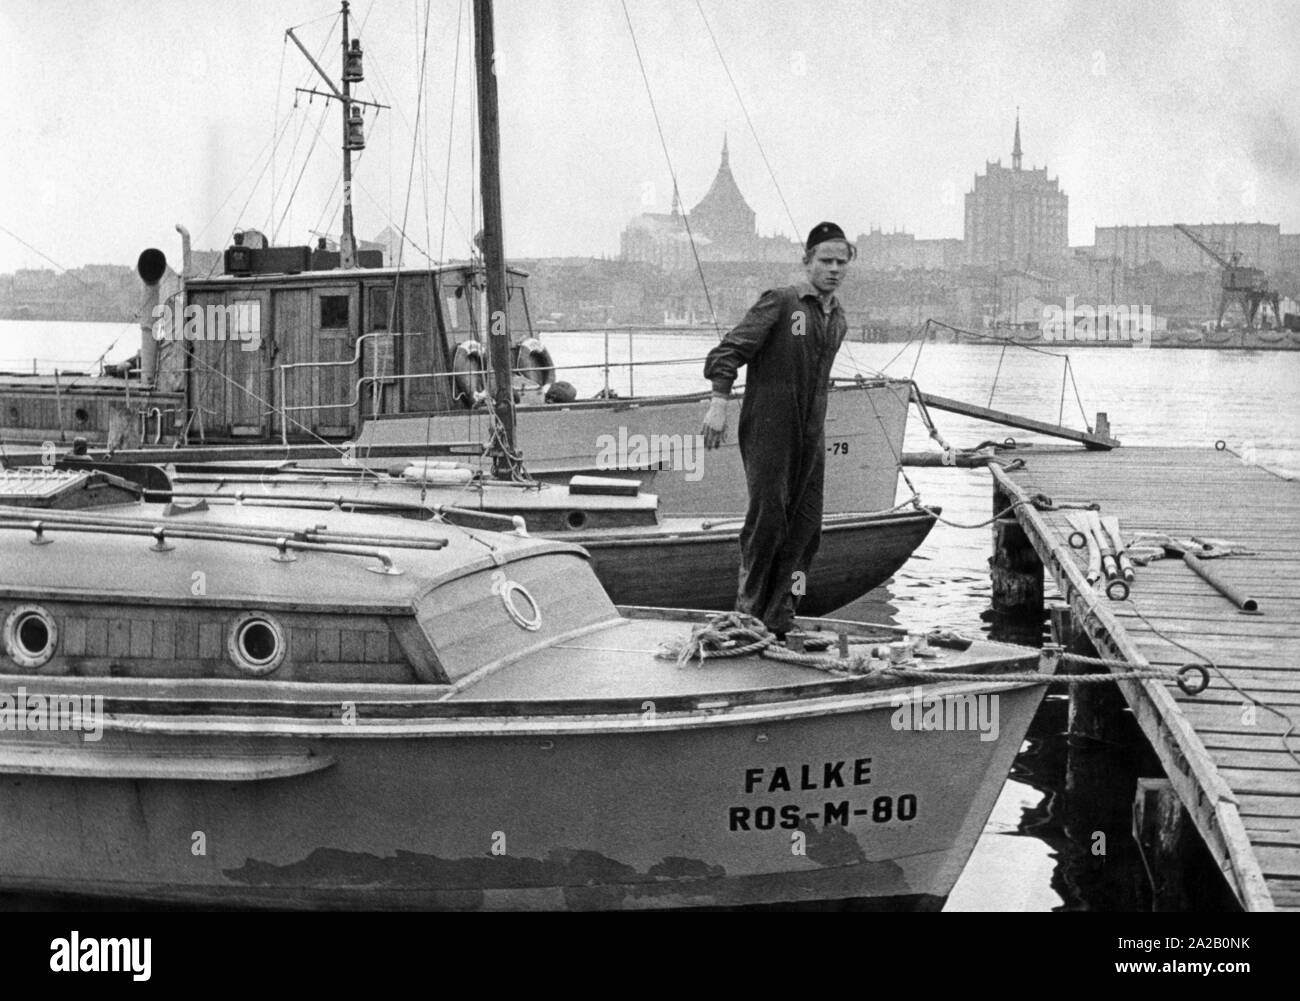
(736, 634)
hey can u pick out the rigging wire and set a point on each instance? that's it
(748, 120)
(671, 173)
(275, 123)
(451, 132)
(305, 162)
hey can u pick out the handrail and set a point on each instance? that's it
(282, 544)
(316, 533)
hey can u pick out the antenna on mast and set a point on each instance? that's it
(354, 136)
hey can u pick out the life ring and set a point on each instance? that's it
(467, 372)
(534, 363)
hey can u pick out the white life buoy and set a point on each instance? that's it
(534, 363)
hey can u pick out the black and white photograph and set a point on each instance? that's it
(718, 457)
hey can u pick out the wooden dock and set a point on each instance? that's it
(1225, 754)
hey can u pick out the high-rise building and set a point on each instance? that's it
(1016, 217)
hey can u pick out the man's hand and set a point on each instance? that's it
(715, 422)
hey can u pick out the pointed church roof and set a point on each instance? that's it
(1015, 149)
(724, 200)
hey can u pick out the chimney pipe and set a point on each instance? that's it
(150, 267)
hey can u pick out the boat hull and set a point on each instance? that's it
(751, 807)
(699, 569)
(864, 438)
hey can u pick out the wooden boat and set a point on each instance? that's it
(306, 347)
(641, 556)
(256, 706)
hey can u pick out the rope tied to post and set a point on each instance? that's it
(1040, 501)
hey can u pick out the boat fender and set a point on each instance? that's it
(533, 362)
(437, 472)
(468, 373)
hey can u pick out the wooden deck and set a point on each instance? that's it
(1226, 758)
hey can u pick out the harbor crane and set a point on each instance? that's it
(1246, 286)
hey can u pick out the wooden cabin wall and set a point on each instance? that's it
(158, 641)
(318, 325)
(426, 353)
(229, 384)
(380, 362)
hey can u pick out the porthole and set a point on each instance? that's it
(576, 520)
(81, 415)
(510, 592)
(30, 635)
(256, 644)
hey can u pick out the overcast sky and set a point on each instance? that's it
(125, 117)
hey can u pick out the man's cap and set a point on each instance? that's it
(824, 231)
(560, 392)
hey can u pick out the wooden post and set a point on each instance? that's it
(1017, 575)
(1168, 842)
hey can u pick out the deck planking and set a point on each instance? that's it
(1227, 758)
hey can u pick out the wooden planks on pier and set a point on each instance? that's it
(1229, 752)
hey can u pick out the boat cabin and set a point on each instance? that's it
(286, 346)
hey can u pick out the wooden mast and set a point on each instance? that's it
(498, 327)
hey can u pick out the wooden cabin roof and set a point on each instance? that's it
(115, 568)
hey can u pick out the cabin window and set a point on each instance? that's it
(456, 309)
(521, 326)
(334, 311)
(380, 300)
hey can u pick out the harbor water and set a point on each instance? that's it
(1035, 853)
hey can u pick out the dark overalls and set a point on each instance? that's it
(789, 344)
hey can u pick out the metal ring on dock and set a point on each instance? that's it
(1220, 445)
(1117, 585)
(1186, 686)
(1082, 542)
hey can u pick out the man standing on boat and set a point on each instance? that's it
(789, 340)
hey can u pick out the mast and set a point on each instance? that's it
(494, 260)
(353, 130)
(347, 243)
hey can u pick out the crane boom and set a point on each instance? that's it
(1192, 235)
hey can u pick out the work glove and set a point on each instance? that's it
(714, 428)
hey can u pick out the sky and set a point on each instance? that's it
(124, 118)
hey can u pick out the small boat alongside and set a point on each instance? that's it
(641, 556)
(257, 705)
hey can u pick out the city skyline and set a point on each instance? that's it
(157, 115)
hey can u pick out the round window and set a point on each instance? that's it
(256, 644)
(30, 635)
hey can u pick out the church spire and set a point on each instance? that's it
(677, 200)
(1015, 149)
(726, 157)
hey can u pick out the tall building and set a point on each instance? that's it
(1259, 243)
(1017, 217)
(722, 224)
